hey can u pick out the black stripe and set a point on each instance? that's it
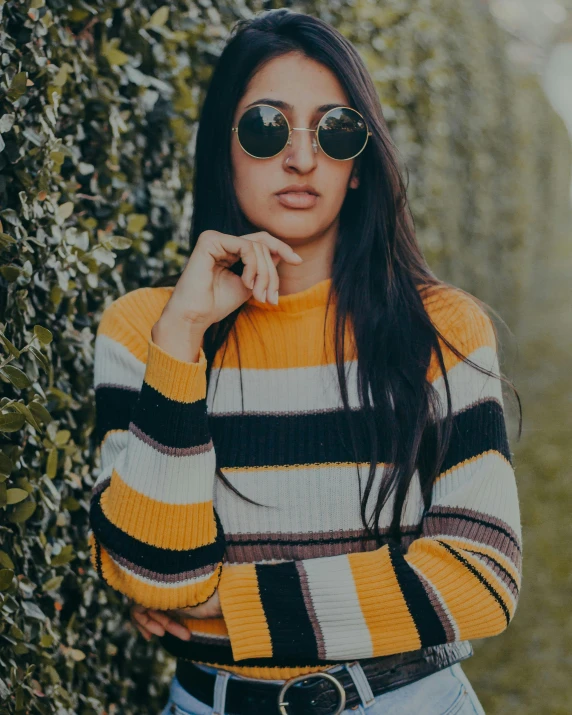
(113, 408)
(249, 440)
(431, 630)
(98, 564)
(162, 561)
(479, 429)
(171, 423)
(498, 565)
(221, 654)
(281, 595)
(475, 573)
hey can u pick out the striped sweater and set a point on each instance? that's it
(301, 586)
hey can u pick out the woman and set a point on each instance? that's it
(307, 488)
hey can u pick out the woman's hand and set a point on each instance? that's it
(209, 609)
(208, 291)
(149, 621)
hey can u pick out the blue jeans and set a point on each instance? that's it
(446, 692)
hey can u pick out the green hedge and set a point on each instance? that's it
(98, 110)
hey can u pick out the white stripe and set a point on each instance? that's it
(115, 365)
(164, 478)
(113, 444)
(282, 390)
(306, 499)
(486, 484)
(467, 384)
(337, 607)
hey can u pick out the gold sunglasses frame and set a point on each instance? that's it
(303, 129)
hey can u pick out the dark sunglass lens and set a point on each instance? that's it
(343, 133)
(263, 131)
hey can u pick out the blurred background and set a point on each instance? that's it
(99, 103)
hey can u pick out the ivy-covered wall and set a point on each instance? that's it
(98, 109)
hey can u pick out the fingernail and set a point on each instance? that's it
(264, 297)
(252, 282)
(274, 298)
(298, 256)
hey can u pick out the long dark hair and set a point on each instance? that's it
(379, 274)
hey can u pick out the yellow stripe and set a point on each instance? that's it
(150, 595)
(176, 379)
(486, 551)
(386, 614)
(475, 610)
(167, 526)
(129, 319)
(243, 613)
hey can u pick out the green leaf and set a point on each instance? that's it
(39, 412)
(11, 421)
(62, 437)
(159, 17)
(46, 640)
(6, 577)
(52, 463)
(18, 86)
(10, 346)
(16, 495)
(40, 357)
(6, 464)
(53, 583)
(64, 211)
(6, 239)
(10, 273)
(43, 334)
(22, 511)
(136, 222)
(120, 242)
(62, 558)
(115, 56)
(6, 561)
(16, 376)
(27, 414)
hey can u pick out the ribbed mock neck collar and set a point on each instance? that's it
(312, 297)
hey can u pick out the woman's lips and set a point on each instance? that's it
(297, 199)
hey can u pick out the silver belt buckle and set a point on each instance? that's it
(340, 688)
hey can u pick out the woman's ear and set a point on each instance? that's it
(354, 180)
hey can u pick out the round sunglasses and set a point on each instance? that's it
(263, 131)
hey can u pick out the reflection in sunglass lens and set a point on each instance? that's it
(263, 131)
(343, 133)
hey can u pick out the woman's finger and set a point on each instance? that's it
(273, 280)
(170, 624)
(261, 282)
(144, 632)
(149, 623)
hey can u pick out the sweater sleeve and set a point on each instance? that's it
(458, 580)
(154, 535)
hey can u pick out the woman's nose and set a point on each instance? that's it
(302, 148)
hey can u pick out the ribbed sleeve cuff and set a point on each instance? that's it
(243, 612)
(174, 378)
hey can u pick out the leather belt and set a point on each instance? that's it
(318, 693)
